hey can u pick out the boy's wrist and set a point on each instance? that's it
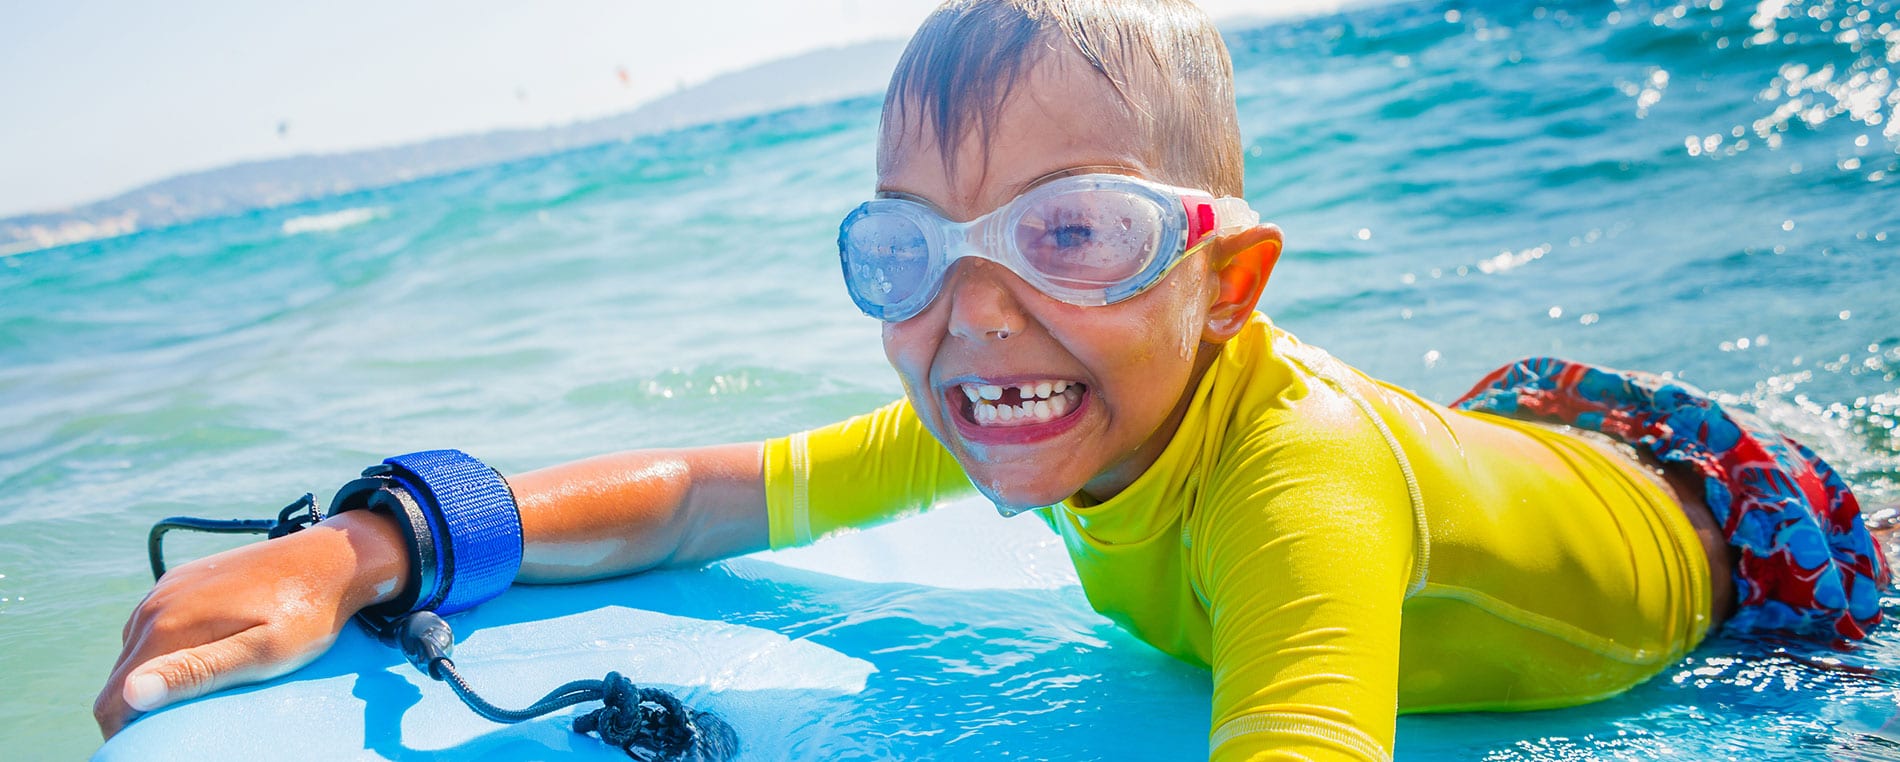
(376, 554)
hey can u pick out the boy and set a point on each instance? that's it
(1067, 283)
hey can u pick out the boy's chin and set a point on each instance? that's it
(1007, 511)
(1012, 502)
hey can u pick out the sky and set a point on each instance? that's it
(97, 98)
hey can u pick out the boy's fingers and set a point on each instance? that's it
(109, 708)
(193, 672)
(110, 711)
(139, 684)
(137, 619)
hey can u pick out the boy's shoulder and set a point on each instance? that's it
(1279, 395)
(1309, 438)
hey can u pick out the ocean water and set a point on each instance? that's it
(1709, 189)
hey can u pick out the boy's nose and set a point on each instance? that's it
(983, 303)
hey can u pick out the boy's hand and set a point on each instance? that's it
(249, 614)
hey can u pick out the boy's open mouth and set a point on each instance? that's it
(1025, 404)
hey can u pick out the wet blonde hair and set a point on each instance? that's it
(1163, 57)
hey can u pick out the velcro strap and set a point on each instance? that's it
(477, 526)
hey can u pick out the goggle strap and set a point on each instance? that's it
(1205, 220)
(1234, 215)
(1217, 217)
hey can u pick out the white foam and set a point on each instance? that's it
(334, 221)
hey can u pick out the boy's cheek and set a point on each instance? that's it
(896, 348)
(919, 402)
(913, 373)
(905, 375)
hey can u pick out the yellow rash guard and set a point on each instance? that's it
(1335, 549)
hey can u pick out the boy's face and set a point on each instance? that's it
(1127, 366)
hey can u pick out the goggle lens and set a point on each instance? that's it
(887, 257)
(1088, 239)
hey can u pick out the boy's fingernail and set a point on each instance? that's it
(145, 692)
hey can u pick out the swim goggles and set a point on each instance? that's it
(1087, 240)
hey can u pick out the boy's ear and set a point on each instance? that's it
(1246, 261)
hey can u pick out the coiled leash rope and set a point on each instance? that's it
(649, 724)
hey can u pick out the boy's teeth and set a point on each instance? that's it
(1038, 402)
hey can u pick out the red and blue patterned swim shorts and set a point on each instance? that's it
(1805, 562)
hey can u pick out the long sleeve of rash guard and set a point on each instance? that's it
(1305, 582)
(857, 472)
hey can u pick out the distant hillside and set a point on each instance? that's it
(815, 77)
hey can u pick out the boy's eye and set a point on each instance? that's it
(1069, 236)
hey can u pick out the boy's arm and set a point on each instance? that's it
(1305, 552)
(261, 610)
(633, 511)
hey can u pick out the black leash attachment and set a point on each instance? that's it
(293, 517)
(649, 724)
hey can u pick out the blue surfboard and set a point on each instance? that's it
(954, 634)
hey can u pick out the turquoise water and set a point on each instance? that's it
(1707, 189)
